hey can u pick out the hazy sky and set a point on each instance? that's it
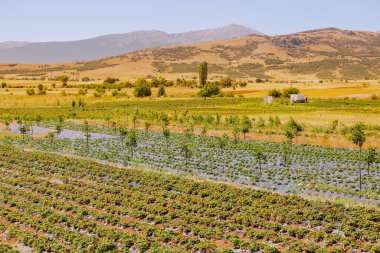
(45, 20)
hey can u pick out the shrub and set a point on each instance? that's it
(110, 80)
(226, 82)
(275, 93)
(161, 91)
(210, 90)
(287, 92)
(41, 89)
(242, 84)
(142, 88)
(82, 91)
(128, 84)
(63, 80)
(30, 92)
(161, 81)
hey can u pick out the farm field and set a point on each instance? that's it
(216, 140)
(119, 147)
(60, 204)
(306, 170)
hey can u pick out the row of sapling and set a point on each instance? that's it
(291, 131)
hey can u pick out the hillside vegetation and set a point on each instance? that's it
(319, 54)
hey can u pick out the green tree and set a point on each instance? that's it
(358, 138)
(7, 122)
(87, 136)
(370, 157)
(260, 156)
(189, 131)
(166, 133)
(285, 147)
(134, 121)
(108, 119)
(147, 126)
(161, 91)
(260, 123)
(204, 130)
(246, 124)
(142, 88)
(38, 119)
(203, 72)
(235, 132)
(186, 150)
(165, 119)
(41, 89)
(58, 128)
(292, 130)
(275, 93)
(30, 92)
(274, 122)
(222, 141)
(226, 82)
(51, 136)
(209, 90)
(24, 129)
(123, 132)
(110, 80)
(289, 91)
(132, 141)
(63, 80)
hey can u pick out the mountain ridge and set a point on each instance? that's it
(326, 54)
(112, 44)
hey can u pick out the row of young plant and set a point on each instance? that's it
(284, 167)
(59, 204)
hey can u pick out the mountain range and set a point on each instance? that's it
(325, 54)
(111, 45)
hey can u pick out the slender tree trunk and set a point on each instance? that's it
(360, 172)
(360, 179)
(368, 167)
(291, 147)
(260, 166)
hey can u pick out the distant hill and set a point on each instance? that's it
(319, 54)
(111, 45)
(13, 44)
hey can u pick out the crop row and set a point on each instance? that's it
(59, 204)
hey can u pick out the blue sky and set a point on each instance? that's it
(46, 20)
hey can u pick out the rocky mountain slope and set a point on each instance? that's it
(319, 54)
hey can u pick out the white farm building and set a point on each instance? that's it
(268, 99)
(297, 98)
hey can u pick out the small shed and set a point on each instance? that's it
(268, 99)
(297, 98)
